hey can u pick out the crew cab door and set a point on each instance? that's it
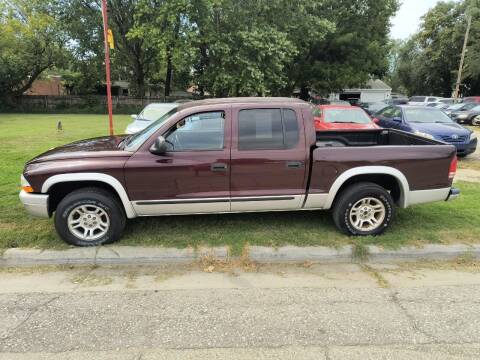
(268, 160)
(192, 176)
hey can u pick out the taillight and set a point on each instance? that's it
(453, 168)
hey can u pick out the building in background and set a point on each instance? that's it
(373, 91)
(52, 85)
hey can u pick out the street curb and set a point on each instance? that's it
(132, 255)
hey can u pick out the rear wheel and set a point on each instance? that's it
(363, 209)
(89, 217)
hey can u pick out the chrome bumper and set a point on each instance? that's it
(453, 194)
(35, 204)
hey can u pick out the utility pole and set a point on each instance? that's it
(462, 59)
(107, 65)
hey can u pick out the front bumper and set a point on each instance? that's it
(453, 194)
(35, 204)
(466, 148)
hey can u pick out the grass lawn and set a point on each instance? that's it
(23, 136)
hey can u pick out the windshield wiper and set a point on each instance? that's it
(125, 141)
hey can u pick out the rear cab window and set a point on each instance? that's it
(267, 129)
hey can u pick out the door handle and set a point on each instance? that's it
(294, 164)
(218, 167)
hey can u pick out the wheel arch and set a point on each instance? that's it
(385, 176)
(78, 180)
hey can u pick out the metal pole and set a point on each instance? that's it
(107, 65)
(462, 59)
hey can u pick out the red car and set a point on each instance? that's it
(338, 117)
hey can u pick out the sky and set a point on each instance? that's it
(407, 20)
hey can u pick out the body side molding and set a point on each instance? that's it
(108, 179)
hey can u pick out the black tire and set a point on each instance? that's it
(91, 198)
(350, 196)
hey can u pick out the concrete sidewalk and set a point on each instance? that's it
(413, 311)
(131, 255)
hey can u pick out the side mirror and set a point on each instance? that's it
(159, 147)
(134, 116)
(375, 120)
(397, 119)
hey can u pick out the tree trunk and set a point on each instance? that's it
(139, 79)
(168, 77)
(304, 95)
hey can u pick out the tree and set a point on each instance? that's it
(164, 25)
(429, 60)
(357, 50)
(249, 47)
(30, 43)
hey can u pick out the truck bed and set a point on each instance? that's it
(378, 137)
(415, 157)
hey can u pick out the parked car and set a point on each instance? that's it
(372, 108)
(475, 99)
(235, 155)
(423, 100)
(331, 117)
(438, 105)
(470, 115)
(396, 101)
(340, 102)
(149, 114)
(459, 107)
(430, 123)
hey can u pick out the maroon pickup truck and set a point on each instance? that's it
(235, 155)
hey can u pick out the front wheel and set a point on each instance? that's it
(363, 209)
(89, 217)
(476, 120)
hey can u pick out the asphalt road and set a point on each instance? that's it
(419, 311)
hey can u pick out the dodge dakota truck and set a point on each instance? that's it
(236, 155)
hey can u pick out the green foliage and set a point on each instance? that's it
(223, 47)
(30, 43)
(355, 51)
(428, 62)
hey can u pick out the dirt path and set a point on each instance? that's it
(468, 175)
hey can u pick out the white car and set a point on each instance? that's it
(423, 100)
(150, 113)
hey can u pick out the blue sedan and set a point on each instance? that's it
(430, 123)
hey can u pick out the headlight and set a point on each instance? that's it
(473, 136)
(462, 116)
(425, 135)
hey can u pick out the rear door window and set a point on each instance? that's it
(267, 129)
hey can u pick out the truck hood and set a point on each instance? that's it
(438, 129)
(321, 125)
(106, 146)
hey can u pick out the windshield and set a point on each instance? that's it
(426, 116)
(152, 113)
(456, 106)
(134, 142)
(376, 107)
(346, 116)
